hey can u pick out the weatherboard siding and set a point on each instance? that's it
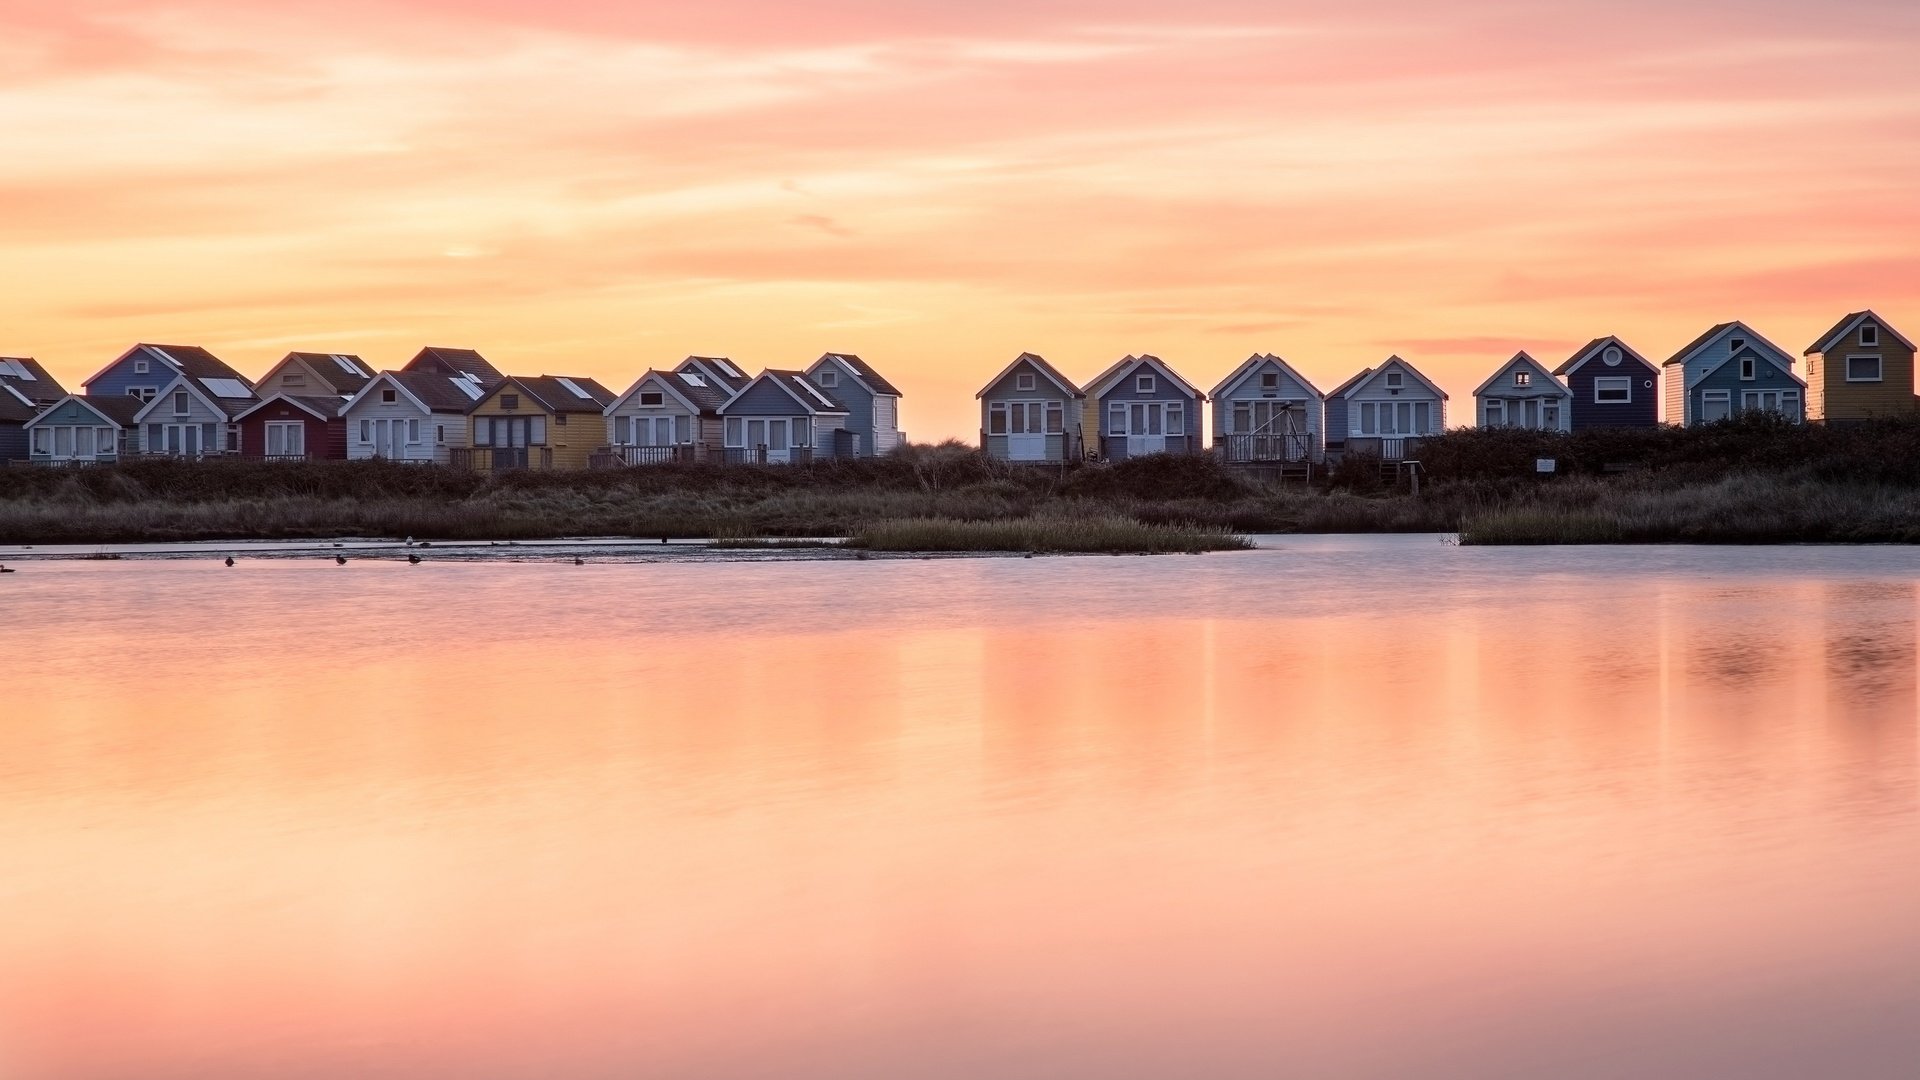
(1767, 376)
(1126, 391)
(325, 439)
(118, 379)
(13, 441)
(855, 397)
(1290, 389)
(1643, 411)
(213, 424)
(427, 449)
(766, 398)
(1831, 397)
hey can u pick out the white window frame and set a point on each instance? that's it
(1055, 422)
(1496, 412)
(1618, 382)
(1879, 368)
(1612, 356)
(735, 431)
(297, 434)
(829, 378)
(389, 396)
(1025, 381)
(182, 403)
(1869, 335)
(1269, 380)
(413, 431)
(1144, 384)
(1395, 380)
(366, 430)
(659, 399)
(1749, 368)
(1117, 419)
(1523, 378)
(996, 418)
(43, 441)
(440, 434)
(1708, 397)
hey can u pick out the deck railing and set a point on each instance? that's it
(1255, 449)
(759, 455)
(500, 458)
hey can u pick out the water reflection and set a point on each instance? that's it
(1361, 809)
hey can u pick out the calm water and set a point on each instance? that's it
(1347, 808)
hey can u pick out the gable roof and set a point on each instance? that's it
(1040, 364)
(704, 396)
(1595, 348)
(1523, 359)
(321, 408)
(16, 407)
(446, 361)
(27, 379)
(209, 391)
(119, 411)
(720, 369)
(1111, 377)
(1354, 383)
(810, 397)
(430, 391)
(332, 370)
(189, 360)
(1701, 342)
(1341, 390)
(1247, 367)
(1735, 354)
(1847, 326)
(555, 393)
(862, 372)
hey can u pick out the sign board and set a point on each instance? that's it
(1543, 465)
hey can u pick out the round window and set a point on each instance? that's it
(1611, 356)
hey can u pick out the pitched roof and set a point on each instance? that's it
(1040, 364)
(16, 406)
(1847, 325)
(30, 380)
(226, 396)
(1593, 348)
(797, 386)
(723, 370)
(861, 370)
(331, 368)
(189, 360)
(695, 389)
(1350, 383)
(1696, 344)
(1525, 359)
(1110, 378)
(555, 393)
(1256, 360)
(446, 361)
(120, 409)
(325, 408)
(431, 390)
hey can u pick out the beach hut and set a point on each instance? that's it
(1144, 407)
(1385, 411)
(1522, 393)
(25, 391)
(413, 416)
(1859, 370)
(1266, 412)
(144, 370)
(454, 363)
(1612, 386)
(1030, 412)
(80, 430)
(538, 422)
(667, 416)
(873, 403)
(1731, 369)
(294, 427)
(780, 417)
(316, 375)
(195, 416)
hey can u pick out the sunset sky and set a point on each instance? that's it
(595, 188)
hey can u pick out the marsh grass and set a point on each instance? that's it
(1042, 535)
(1746, 509)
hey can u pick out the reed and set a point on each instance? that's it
(1746, 509)
(1042, 535)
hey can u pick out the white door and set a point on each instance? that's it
(397, 440)
(1146, 430)
(777, 446)
(1026, 435)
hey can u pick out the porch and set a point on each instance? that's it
(500, 458)
(1263, 449)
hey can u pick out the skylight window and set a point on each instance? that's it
(466, 385)
(817, 395)
(162, 354)
(721, 363)
(227, 388)
(693, 378)
(18, 394)
(16, 369)
(574, 388)
(347, 365)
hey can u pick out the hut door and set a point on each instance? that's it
(1026, 437)
(1146, 431)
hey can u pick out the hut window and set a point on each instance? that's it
(1613, 390)
(1523, 378)
(1143, 384)
(1395, 380)
(1738, 343)
(1269, 380)
(683, 429)
(560, 419)
(139, 367)
(1422, 418)
(509, 401)
(180, 406)
(829, 379)
(736, 432)
(1869, 334)
(537, 431)
(293, 378)
(43, 440)
(1496, 412)
(440, 434)
(482, 431)
(1116, 419)
(1023, 382)
(997, 418)
(1863, 369)
(366, 431)
(652, 399)
(1612, 356)
(1176, 418)
(1550, 415)
(413, 431)
(1056, 418)
(388, 397)
(1746, 367)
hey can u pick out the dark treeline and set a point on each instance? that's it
(1750, 480)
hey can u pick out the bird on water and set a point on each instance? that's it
(341, 559)
(229, 560)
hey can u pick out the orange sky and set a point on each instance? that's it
(578, 188)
